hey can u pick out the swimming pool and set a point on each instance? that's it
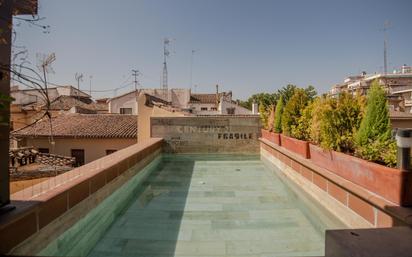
(201, 205)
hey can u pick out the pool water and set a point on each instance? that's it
(197, 205)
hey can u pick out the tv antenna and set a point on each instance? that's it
(44, 64)
(166, 54)
(135, 73)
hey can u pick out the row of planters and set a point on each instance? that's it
(348, 135)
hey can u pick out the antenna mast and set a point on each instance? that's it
(385, 46)
(166, 54)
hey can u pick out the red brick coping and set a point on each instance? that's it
(372, 207)
(33, 214)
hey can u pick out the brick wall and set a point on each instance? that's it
(377, 211)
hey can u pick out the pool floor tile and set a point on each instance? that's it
(200, 206)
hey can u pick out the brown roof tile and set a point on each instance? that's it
(84, 126)
(67, 102)
(204, 98)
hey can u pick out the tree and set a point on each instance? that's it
(271, 117)
(373, 139)
(263, 115)
(311, 92)
(336, 120)
(293, 111)
(266, 99)
(287, 92)
(302, 130)
(278, 115)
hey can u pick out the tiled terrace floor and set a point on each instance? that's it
(212, 207)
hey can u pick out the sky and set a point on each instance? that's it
(247, 46)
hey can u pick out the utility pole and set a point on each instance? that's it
(90, 80)
(191, 68)
(136, 73)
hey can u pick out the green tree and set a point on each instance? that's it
(373, 139)
(336, 120)
(266, 99)
(263, 115)
(271, 117)
(293, 111)
(278, 115)
(287, 92)
(311, 92)
(302, 130)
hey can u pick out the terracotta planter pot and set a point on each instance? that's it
(390, 183)
(277, 139)
(271, 136)
(323, 158)
(295, 145)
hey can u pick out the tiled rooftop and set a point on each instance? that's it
(67, 102)
(84, 126)
(204, 98)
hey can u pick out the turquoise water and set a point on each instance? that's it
(191, 205)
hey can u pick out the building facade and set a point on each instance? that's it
(398, 86)
(197, 104)
(29, 104)
(86, 137)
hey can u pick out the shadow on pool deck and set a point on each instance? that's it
(150, 224)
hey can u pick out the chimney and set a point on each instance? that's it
(217, 95)
(255, 108)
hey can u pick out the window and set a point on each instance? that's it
(109, 151)
(78, 155)
(44, 150)
(213, 109)
(203, 108)
(126, 111)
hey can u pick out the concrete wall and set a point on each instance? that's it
(221, 108)
(93, 148)
(178, 97)
(126, 101)
(197, 109)
(224, 134)
(239, 110)
(144, 114)
(401, 123)
(49, 209)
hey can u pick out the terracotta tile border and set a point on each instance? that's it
(32, 214)
(376, 210)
